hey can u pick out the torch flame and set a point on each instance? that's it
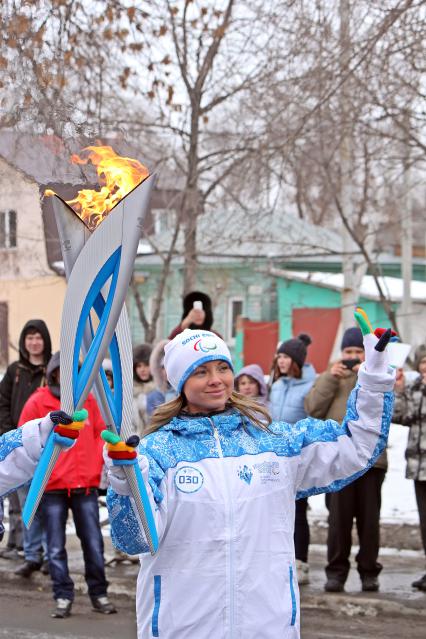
(117, 177)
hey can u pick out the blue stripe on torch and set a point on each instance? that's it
(38, 478)
(114, 398)
(80, 378)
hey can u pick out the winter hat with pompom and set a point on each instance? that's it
(190, 349)
(296, 348)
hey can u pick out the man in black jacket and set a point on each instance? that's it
(21, 379)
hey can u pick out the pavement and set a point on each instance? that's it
(396, 597)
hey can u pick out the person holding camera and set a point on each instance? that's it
(361, 500)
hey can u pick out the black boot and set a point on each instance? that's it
(369, 583)
(420, 584)
(334, 585)
(27, 568)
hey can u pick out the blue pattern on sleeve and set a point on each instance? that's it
(388, 399)
(9, 441)
(126, 534)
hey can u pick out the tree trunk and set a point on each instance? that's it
(351, 286)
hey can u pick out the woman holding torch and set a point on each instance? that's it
(222, 481)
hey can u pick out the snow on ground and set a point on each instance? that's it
(398, 499)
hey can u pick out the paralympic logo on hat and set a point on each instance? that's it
(205, 345)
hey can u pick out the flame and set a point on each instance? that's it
(117, 177)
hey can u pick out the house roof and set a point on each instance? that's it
(43, 158)
(238, 235)
(393, 286)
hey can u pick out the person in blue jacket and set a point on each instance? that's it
(293, 380)
(221, 482)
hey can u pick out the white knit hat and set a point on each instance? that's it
(190, 349)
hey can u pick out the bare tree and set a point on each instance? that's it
(249, 105)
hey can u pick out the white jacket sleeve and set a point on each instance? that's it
(126, 528)
(333, 455)
(20, 450)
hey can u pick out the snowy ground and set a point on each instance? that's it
(398, 500)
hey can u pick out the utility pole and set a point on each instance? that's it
(406, 243)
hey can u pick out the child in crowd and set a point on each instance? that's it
(250, 382)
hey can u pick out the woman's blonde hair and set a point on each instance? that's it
(256, 413)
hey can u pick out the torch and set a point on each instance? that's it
(98, 261)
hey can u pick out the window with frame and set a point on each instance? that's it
(164, 220)
(235, 309)
(8, 236)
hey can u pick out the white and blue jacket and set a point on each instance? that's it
(223, 495)
(20, 450)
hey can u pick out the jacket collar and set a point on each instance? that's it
(225, 421)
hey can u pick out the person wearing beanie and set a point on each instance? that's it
(362, 499)
(143, 384)
(73, 485)
(197, 314)
(293, 379)
(250, 382)
(410, 410)
(222, 480)
(20, 380)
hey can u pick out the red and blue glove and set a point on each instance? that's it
(122, 453)
(66, 428)
(375, 342)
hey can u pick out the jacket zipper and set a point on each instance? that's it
(230, 517)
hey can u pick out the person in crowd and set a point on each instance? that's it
(21, 448)
(197, 314)
(222, 482)
(21, 379)
(361, 500)
(410, 410)
(162, 392)
(250, 382)
(73, 485)
(142, 385)
(292, 381)
(107, 368)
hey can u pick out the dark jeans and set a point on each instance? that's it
(420, 488)
(301, 530)
(35, 544)
(15, 538)
(85, 513)
(360, 500)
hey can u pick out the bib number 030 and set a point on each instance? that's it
(188, 479)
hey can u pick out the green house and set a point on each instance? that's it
(292, 283)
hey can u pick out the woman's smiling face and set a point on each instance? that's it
(209, 387)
